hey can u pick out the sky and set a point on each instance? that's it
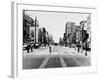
(55, 22)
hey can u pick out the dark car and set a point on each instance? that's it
(25, 47)
(56, 44)
(36, 46)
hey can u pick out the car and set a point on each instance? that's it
(56, 44)
(37, 46)
(24, 46)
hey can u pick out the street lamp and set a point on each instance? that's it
(82, 29)
(82, 25)
(36, 25)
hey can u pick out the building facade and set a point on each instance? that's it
(77, 34)
(69, 33)
(27, 22)
(30, 29)
(89, 29)
(34, 31)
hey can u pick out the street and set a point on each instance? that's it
(60, 56)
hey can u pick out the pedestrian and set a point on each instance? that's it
(75, 47)
(32, 45)
(50, 48)
(86, 48)
(28, 48)
(78, 48)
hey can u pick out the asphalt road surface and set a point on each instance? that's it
(59, 57)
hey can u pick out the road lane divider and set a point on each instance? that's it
(45, 61)
(62, 61)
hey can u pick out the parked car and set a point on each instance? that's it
(37, 46)
(25, 47)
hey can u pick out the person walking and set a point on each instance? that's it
(28, 48)
(78, 48)
(50, 48)
(32, 45)
(86, 48)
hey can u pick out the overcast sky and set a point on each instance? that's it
(55, 22)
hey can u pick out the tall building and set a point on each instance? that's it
(89, 28)
(34, 31)
(27, 23)
(69, 32)
(70, 27)
(89, 23)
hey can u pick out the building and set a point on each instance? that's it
(89, 23)
(89, 29)
(34, 28)
(77, 33)
(27, 22)
(83, 25)
(69, 33)
(69, 27)
(30, 29)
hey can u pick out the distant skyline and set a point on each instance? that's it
(55, 22)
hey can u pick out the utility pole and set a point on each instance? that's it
(83, 24)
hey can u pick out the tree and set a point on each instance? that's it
(44, 36)
(44, 30)
(40, 36)
(85, 36)
(74, 39)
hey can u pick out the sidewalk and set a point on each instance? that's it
(36, 50)
(72, 51)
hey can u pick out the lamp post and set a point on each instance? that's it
(36, 25)
(82, 25)
(82, 36)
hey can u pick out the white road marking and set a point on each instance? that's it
(62, 61)
(45, 62)
(78, 62)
